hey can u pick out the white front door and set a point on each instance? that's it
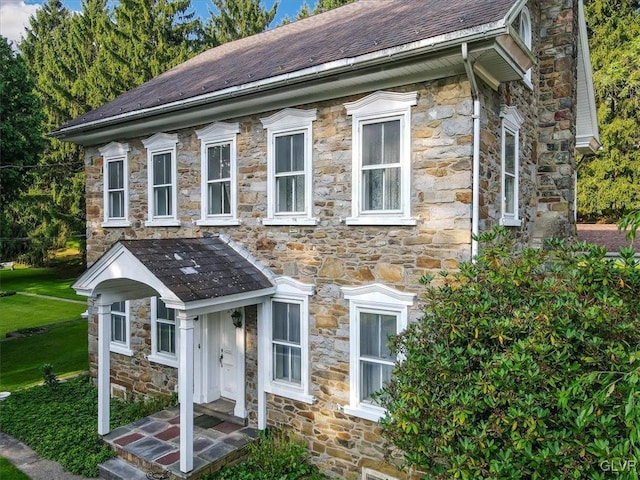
(227, 357)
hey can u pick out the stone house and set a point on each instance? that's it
(259, 216)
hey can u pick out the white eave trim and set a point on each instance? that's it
(480, 32)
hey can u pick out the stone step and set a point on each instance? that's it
(205, 409)
(118, 469)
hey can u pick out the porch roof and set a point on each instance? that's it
(180, 270)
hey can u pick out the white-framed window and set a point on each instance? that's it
(120, 328)
(369, 474)
(162, 180)
(289, 167)
(510, 170)
(287, 336)
(116, 185)
(164, 334)
(375, 312)
(524, 31)
(218, 169)
(381, 171)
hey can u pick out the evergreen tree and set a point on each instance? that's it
(235, 19)
(609, 183)
(320, 7)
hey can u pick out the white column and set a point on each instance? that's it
(104, 369)
(185, 390)
(263, 358)
(239, 410)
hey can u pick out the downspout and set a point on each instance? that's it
(475, 200)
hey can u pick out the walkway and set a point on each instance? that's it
(49, 297)
(36, 467)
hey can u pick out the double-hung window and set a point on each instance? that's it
(162, 178)
(285, 339)
(289, 172)
(381, 136)
(116, 190)
(120, 328)
(218, 167)
(511, 123)
(376, 312)
(164, 334)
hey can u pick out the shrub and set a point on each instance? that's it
(525, 365)
(272, 456)
(49, 378)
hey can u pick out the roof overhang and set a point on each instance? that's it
(496, 55)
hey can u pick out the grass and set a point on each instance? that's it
(8, 471)
(21, 311)
(63, 345)
(61, 423)
(55, 282)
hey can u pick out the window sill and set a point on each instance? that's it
(381, 221)
(116, 224)
(293, 394)
(303, 221)
(218, 222)
(121, 349)
(168, 361)
(169, 222)
(371, 413)
(510, 222)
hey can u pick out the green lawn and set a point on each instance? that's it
(8, 471)
(55, 282)
(64, 346)
(21, 311)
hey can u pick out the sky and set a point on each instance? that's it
(14, 14)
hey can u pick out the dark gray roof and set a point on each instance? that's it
(198, 268)
(605, 235)
(353, 30)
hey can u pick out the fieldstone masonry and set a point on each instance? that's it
(331, 254)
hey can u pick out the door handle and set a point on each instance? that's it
(221, 356)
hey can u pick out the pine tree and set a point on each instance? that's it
(235, 19)
(320, 7)
(609, 183)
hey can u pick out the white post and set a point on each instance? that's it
(185, 390)
(104, 369)
(263, 369)
(239, 410)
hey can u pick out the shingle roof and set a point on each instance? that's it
(350, 31)
(606, 235)
(198, 268)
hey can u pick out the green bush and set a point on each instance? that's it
(525, 366)
(273, 457)
(62, 423)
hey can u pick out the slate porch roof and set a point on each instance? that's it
(606, 235)
(198, 268)
(353, 30)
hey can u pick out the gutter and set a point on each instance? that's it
(475, 202)
(480, 32)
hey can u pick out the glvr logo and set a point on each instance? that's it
(618, 465)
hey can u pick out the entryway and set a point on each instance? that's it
(219, 360)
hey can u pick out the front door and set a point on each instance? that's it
(227, 356)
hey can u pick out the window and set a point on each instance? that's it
(116, 191)
(164, 334)
(286, 333)
(289, 157)
(218, 167)
(511, 123)
(120, 334)
(162, 178)
(375, 312)
(369, 474)
(381, 135)
(523, 23)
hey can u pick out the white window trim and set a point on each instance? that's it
(375, 474)
(114, 152)
(288, 122)
(118, 347)
(160, 357)
(512, 120)
(290, 291)
(158, 144)
(375, 298)
(380, 107)
(525, 33)
(218, 133)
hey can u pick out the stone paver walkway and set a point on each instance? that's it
(49, 297)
